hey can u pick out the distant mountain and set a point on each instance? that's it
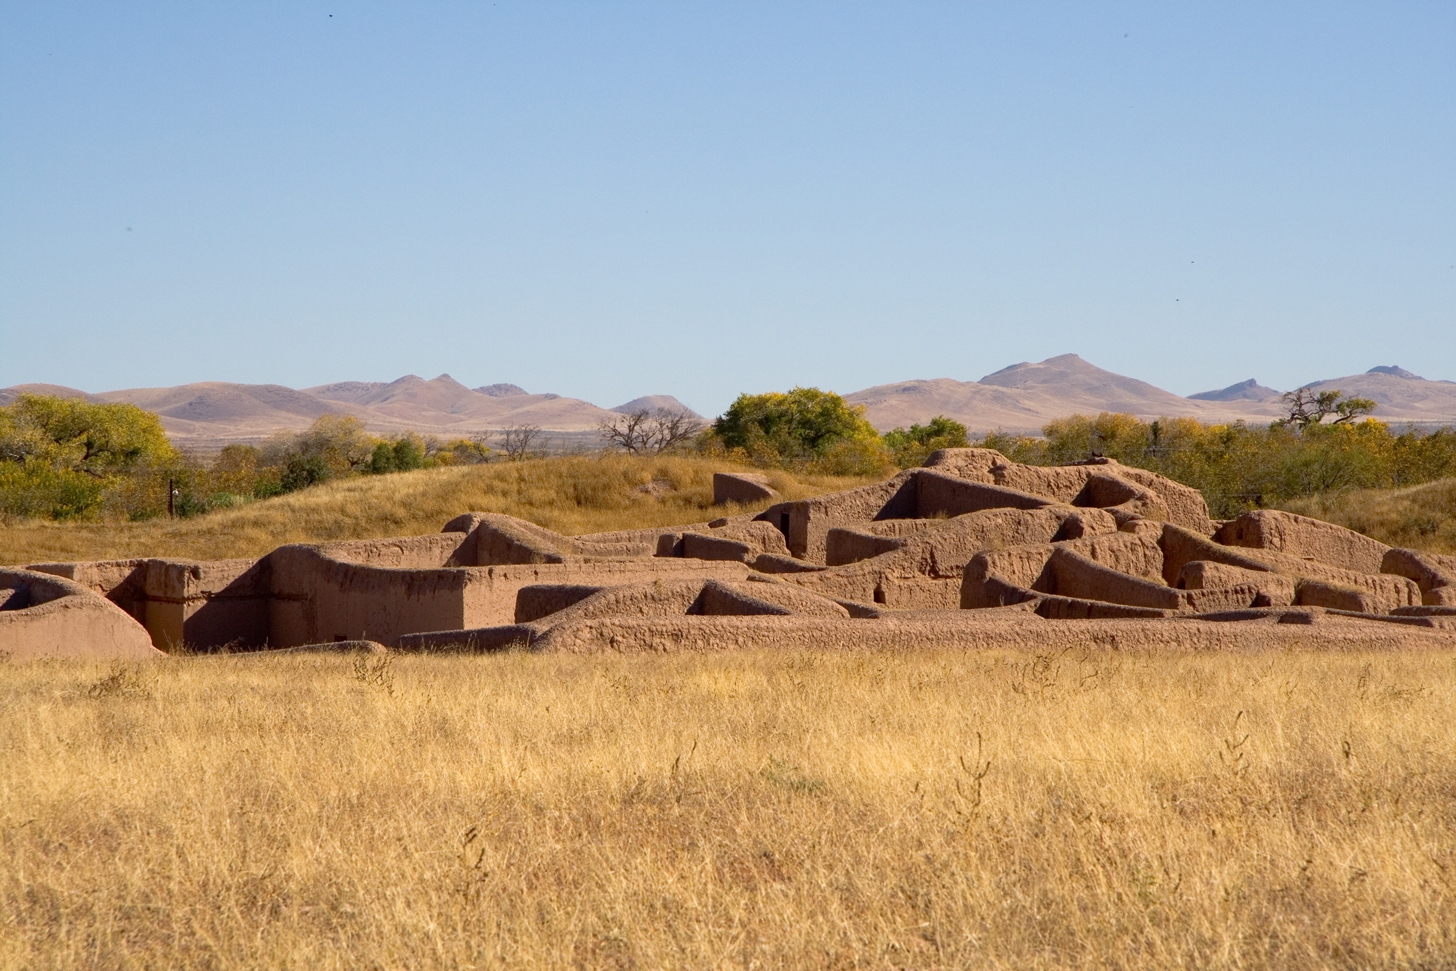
(656, 402)
(219, 409)
(213, 412)
(1020, 398)
(445, 404)
(1024, 397)
(1070, 379)
(8, 395)
(1249, 390)
(1394, 371)
(410, 397)
(1402, 397)
(500, 390)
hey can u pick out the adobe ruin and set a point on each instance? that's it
(970, 550)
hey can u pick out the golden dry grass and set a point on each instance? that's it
(581, 494)
(772, 810)
(1419, 517)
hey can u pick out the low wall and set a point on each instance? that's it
(1026, 632)
(42, 615)
(317, 598)
(805, 523)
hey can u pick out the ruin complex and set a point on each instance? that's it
(970, 550)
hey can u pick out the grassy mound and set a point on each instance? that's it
(573, 495)
(1419, 517)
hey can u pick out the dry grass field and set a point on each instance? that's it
(799, 810)
(1419, 517)
(573, 495)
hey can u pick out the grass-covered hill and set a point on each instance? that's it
(577, 494)
(573, 495)
(1421, 517)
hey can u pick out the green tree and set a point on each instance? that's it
(1308, 407)
(64, 457)
(799, 426)
(382, 461)
(303, 471)
(34, 489)
(409, 453)
(911, 446)
(73, 434)
(338, 442)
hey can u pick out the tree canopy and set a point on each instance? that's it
(801, 424)
(913, 445)
(1308, 407)
(72, 434)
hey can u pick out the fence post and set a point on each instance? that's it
(171, 495)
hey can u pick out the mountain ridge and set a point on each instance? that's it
(1018, 398)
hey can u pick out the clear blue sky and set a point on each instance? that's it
(613, 199)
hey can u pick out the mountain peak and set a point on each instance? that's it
(1250, 390)
(656, 402)
(500, 390)
(1395, 371)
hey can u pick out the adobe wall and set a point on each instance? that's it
(938, 494)
(123, 582)
(434, 551)
(1434, 575)
(1284, 532)
(317, 598)
(924, 569)
(741, 487)
(208, 604)
(805, 523)
(970, 548)
(42, 615)
(961, 630)
(1385, 591)
(1184, 505)
(202, 604)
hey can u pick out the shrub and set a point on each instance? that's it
(912, 446)
(302, 471)
(801, 426)
(33, 489)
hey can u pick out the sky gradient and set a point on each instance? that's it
(610, 200)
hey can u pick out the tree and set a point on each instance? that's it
(303, 471)
(650, 432)
(73, 434)
(339, 442)
(913, 445)
(801, 425)
(464, 451)
(1308, 407)
(518, 441)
